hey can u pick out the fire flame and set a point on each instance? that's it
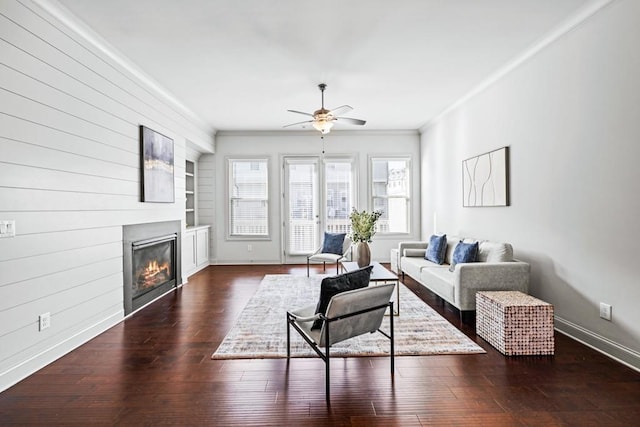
(155, 273)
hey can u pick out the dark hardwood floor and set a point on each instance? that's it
(155, 369)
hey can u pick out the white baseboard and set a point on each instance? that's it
(152, 301)
(234, 262)
(185, 277)
(612, 349)
(19, 372)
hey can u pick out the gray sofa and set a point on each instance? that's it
(495, 270)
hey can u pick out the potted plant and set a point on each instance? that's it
(363, 227)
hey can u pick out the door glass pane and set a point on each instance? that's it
(303, 208)
(338, 193)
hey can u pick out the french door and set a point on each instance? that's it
(318, 195)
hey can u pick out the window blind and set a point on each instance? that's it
(248, 197)
(391, 193)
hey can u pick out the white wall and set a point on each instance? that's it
(571, 117)
(70, 178)
(277, 144)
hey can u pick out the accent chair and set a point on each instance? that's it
(349, 314)
(322, 254)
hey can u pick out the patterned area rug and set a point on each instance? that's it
(261, 328)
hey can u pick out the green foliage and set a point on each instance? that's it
(363, 225)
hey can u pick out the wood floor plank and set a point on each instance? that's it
(156, 368)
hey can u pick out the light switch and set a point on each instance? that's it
(7, 228)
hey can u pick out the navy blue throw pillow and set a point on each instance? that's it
(436, 249)
(464, 252)
(331, 286)
(333, 243)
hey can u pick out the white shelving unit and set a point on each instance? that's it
(190, 192)
(195, 238)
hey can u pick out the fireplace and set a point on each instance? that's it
(151, 262)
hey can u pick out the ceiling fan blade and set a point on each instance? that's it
(298, 123)
(341, 110)
(351, 121)
(300, 112)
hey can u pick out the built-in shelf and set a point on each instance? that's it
(190, 193)
(195, 238)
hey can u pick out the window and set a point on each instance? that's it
(338, 195)
(248, 198)
(391, 193)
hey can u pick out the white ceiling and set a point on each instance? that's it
(240, 64)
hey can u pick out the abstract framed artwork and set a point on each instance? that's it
(485, 179)
(157, 166)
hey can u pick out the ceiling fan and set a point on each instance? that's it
(323, 119)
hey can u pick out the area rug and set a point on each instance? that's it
(261, 329)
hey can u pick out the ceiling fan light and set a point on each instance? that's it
(323, 126)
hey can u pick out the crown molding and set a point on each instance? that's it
(73, 23)
(577, 18)
(315, 133)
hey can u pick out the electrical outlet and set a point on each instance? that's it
(605, 311)
(249, 248)
(44, 320)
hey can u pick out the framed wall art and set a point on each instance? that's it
(157, 167)
(485, 179)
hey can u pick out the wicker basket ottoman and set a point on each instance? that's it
(515, 323)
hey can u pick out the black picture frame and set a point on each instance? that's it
(157, 166)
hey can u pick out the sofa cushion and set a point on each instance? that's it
(495, 252)
(464, 252)
(413, 265)
(414, 252)
(436, 249)
(440, 281)
(331, 286)
(452, 241)
(333, 243)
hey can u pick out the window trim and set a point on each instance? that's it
(239, 237)
(393, 157)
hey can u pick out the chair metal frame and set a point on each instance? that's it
(292, 320)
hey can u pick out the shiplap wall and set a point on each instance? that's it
(206, 197)
(70, 178)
